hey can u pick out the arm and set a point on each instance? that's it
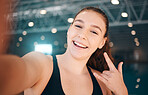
(17, 74)
(12, 72)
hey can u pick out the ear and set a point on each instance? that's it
(102, 43)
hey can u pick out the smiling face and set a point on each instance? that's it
(86, 34)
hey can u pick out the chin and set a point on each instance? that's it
(79, 56)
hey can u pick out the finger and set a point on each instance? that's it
(109, 62)
(106, 72)
(106, 76)
(120, 67)
(101, 78)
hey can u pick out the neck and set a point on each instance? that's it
(74, 65)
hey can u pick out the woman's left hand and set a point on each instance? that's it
(113, 78)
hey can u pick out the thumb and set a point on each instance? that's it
(120, 68)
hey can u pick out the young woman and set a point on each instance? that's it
(84, 69)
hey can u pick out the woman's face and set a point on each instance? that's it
(86, 34)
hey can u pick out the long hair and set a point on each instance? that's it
(97, 60)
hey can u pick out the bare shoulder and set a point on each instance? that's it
(38, 58)
(41, 67)
(104, 89)
(33, 56)
(37, 64)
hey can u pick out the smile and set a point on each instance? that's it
(79, 45)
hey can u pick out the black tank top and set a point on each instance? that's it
(54, 86)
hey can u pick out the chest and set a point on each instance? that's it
(76, 84)
(67, 83)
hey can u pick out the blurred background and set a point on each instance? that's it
(41, 25)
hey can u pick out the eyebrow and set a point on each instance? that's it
(79, 21)
(91, 25)
(96, 27)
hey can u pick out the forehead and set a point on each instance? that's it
(92, 18)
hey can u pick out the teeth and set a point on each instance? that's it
(80, 45)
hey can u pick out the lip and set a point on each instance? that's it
(80, 43)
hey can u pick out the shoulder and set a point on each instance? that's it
(34, 55)
(104, 89)
(37, 57)
(41, 67)
(39, 60)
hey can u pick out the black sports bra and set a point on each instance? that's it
(54, 86)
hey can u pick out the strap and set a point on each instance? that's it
(55, 64)
(96, 87)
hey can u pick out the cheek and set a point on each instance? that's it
(71, 33)
(95, 43)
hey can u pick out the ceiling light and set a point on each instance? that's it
(24, 33)
(35, 43)
(115, 2)
(111, 44)
(42, 37)
(133, 32)
(136, 39)
(30, 24)
(138, 79)
(130, 24)
(17, 44)
(54, 30)
(124, 14)
(65, 45)
(20, 39)
(56, 43)
(137, 44)
(43, 12)
(137, 86)
(70, 20)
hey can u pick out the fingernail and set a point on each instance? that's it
(122, 63)
(95, 74)
(104, 52)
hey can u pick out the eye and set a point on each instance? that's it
(78, 26)
(94, 32)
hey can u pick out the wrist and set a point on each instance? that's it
(122, 91)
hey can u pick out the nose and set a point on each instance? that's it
(83, 34)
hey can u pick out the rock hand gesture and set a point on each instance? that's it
(113, 78)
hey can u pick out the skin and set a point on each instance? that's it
(87, 31)
(113, 79)
(4, 27)
(38, 68)
(82, 31)
(85, 36)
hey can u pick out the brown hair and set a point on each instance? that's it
(97, 60)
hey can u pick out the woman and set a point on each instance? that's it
(81, 70)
